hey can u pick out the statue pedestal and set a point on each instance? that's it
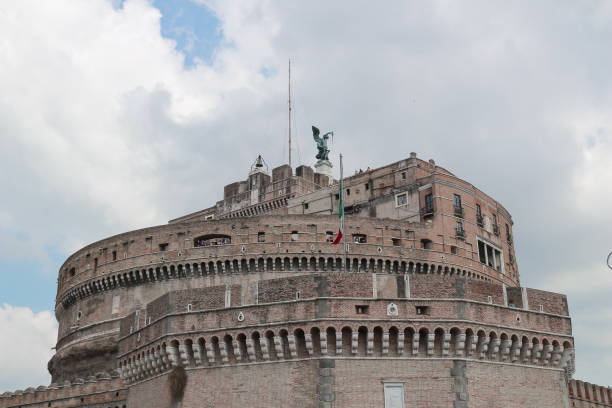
(325, 167)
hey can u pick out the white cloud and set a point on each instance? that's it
(26, 340)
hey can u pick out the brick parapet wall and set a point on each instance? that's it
(142, 357)
(583, 394)
(102, 391)
(142, 246)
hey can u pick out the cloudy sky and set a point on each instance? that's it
(117, 115)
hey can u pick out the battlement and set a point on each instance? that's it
(99, 389)
(584, 394)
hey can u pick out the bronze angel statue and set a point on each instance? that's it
(321, 143)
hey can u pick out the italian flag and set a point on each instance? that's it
(340, 214)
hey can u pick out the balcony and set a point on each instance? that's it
(460, 233)
(459, 211)
(427, 212)
(496, 229)
(479, 220)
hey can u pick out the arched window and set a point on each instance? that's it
(212, 240)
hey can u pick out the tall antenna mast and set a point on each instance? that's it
(290, 115)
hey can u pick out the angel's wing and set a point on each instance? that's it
(315, 134)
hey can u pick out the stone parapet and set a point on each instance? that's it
(101, 390)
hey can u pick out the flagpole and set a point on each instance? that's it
(342, 217)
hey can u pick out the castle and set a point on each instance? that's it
(248, 304)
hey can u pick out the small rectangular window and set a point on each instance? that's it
(297, 295)
(457, 201)
(429, 202)
(404, 176)
(453, 249)
(362, 309)
(394, 395)
(422, 310)
(401, 199)
(490, 299)
(189, 307)
(478, 210)
(396, 241)
(348, 191)
(305, 206)
(367, 186)
(163, 247)
(337, 196)
(541, 308)
(329, 236)
(114, 255)
(261, 237)
(95, 264)
(294, 235)
(359, 238)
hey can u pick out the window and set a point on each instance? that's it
(490, 256)
(401, 199)
(305, 206)
(163, 247)
(396, 241)
(429, 202)
(394, 395)
(212, 240)
(508, 237)
(261, 237)
(329, 236)
(359, 238)
(337, 196)
(404, 176)
(541, 308)
(457, 201)
(422, 310)
(453, 249)
(490, 299)
(479, 219)
(367, 186)
(114, 255)
(459, 231)
(95, 264)
(73, 271)
(189, 309)
(297, 295)
(362, 309)
(79, 315)
(294, 235)
(495, 226)
(426, 244)
(348, 191)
